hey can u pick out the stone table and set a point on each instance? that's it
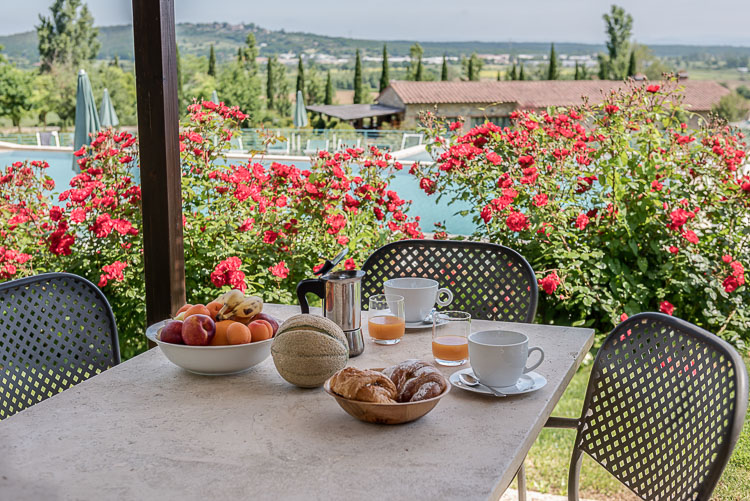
(147, 429)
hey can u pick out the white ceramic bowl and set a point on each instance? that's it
(212, 360)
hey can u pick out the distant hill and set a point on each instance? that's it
(226, 38)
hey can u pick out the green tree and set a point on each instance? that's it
(472, 67)
(632, 64)
(15, 93)
(314, 86)
(329, 89)
(419, 76)
(385, 78)
(115, 61)
(618, 27)
(553, 72)
(358, 92)
(281, 102)
(415, 59)
(121, 87)
(270, 84)
(239, 87)
(212, 62)
(300, 77)
(577, 74)
(513, 72)
(743, 91)
(498, 76)
(444, 70)
(732, 107)
(249, 54)
(521, 74)
(67, 36)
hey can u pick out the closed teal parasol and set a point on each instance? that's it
(107, 115)
(214, 97)
(300, 112)
(87, 119)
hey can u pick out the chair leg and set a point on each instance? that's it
(521, 475)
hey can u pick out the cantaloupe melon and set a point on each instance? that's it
(308, 349)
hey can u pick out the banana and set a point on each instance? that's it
(231, 300)
(251, 306)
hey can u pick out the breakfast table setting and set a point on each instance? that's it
(405, 399)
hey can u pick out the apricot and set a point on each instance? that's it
(260, 330)
(238, 333)
(183, 308)
(214, 307)
(197, 309)
(220, 338)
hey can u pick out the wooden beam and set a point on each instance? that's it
(158, 135)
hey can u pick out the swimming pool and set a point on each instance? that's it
(426, 207)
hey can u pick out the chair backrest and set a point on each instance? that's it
(664, 408)
(490, 281)
(409, 140)
(56, 330)
(278, 147)
(314, 145)
(47, 139)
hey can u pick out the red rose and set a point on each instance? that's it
(517, 221)
(550, 282)
(691, 237)
(581, 221)
(279, 270)
(666, 307)
(653, 88)
(540, 200)
(349, 264)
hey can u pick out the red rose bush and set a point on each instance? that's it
(619, 207)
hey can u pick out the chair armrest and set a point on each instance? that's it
(561, 422)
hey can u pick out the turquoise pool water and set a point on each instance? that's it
(429, 210)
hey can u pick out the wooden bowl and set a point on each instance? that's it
(379, 413)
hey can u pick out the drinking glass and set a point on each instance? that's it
(385, 322)
(450, 332)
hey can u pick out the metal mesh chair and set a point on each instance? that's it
(664, 407)
(490, 281)
(56, 330)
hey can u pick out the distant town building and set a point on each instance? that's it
(496, 100)
(402, 101)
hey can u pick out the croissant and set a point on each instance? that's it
(363, 385)
(416, 380)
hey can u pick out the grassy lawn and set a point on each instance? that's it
(547, 463)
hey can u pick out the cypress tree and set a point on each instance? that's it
(632, 64)
(577, 75)
(300, 76)
(329, 89)
(444, 70)
(116, 61)
(212, 62)
(358, 96)
(513, 72)
(498, 76)
(419, 75)
(270, 84)
(240, 59)
(553, 73)
(521, 74)
(385, 78)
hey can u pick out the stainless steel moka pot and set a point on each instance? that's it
(341, 292)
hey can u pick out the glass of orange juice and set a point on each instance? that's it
(450, 337)
(386, 323)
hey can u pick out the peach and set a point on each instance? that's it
(238, 333)
(260, 330)
(172, 332)
(183, 308)
(271, 320)
(220, 338)
(196, 309)
(198, 330)
(213, 308)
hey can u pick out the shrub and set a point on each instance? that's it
(259, 228)
(618, 207)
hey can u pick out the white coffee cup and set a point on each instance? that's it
(420, 296)
(498, 358)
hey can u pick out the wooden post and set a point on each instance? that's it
(158, 136)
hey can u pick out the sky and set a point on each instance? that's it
(720, 22)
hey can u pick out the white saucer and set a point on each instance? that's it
(531, 381)
(423, 324)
